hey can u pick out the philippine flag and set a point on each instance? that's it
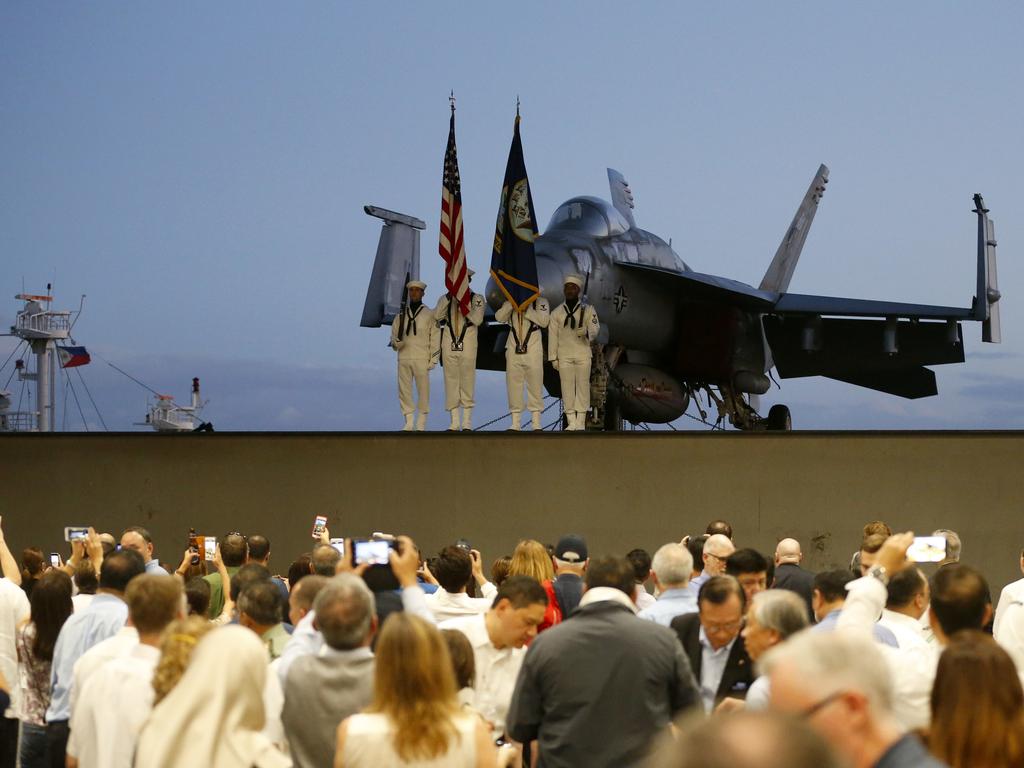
(73, 356)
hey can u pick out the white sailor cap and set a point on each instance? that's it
(416, 284)
(574, 279)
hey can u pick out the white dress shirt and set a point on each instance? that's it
(907, 629)
(111, 708)
(1012, 593)
(450, 605)
(80, 602)
(116, 647)
(14, 608)
(712, 667)
(644, 599)
(496, 670)
(912, 669)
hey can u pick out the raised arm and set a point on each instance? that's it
(8, 565)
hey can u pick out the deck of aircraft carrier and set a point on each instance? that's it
(620, 490)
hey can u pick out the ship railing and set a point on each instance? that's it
(44, 322)
(17, 421)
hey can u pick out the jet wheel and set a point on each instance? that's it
(779, 419)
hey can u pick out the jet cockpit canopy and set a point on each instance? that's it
(589, 216)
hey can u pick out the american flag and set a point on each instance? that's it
(451, 246)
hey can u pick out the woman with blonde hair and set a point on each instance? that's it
(977, 705)
(531, 558)
(175, 653)
(414, 720)
(214, 715)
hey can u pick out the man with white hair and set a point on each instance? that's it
(717, 549)
(322, 689)
(414, 338)
(574, 327)
(458, 353)
(788, 573)
(773, 617)
(840, 684)
(671, 566)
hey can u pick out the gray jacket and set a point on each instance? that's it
(596, 690)
(319, 693)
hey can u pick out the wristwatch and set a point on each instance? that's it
(879, 572)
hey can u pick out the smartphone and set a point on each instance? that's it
(927, 549)
(339, 544)
(55, 560)
(193, 545)
(76, 532)
(319, 524)
(371, 552)
(209, 547)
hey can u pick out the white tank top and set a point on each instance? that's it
(370, 744)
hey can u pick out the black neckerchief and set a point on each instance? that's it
(412, 311)
(570, 314)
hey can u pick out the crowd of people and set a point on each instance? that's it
(706, 653)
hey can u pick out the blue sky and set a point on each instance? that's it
(199, 172)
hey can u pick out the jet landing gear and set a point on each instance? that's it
(734, 406)
(779, 419)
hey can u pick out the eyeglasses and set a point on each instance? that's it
(236, 533)
(815, 708)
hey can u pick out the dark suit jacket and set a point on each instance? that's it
(739, 670)
(796, 579)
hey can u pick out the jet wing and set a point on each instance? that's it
(886, 355)
(710, 288)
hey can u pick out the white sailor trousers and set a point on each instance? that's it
(459, 375)
(525, 369)
(575, 378)
(410, 370)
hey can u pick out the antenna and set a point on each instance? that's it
(451, 100)
(517, 105)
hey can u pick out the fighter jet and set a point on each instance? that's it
(670, 334)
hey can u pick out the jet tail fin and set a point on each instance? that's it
(986, 303)
(780, 272)
(398, 255)
(622, 195)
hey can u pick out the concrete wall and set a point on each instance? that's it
(621, 491)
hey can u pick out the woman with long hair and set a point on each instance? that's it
(214, 715)
(531, 558)
(176, 648)
(50, 605)
(414, 720)
(977, 705)
(32, 567)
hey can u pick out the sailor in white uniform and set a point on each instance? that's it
(458, 354)
(574, 327)
(524, 358)
(414, 337)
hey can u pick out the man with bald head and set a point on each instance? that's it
(717, 549)
(788, 573)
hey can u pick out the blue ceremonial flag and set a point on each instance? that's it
(513, 263)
